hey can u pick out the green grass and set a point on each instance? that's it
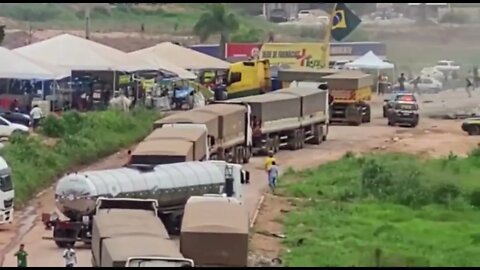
(385, 210)
(119, 18)
(82, 139)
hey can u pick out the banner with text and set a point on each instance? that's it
(294, 55)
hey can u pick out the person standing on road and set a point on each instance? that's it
(36, 114)
(273, 176)
(268, 163)
(70, 256)
(21, 255)
(401, 82)
(468, 86)
(415, 85)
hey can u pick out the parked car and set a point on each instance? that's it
(278, 15)
(16, 117)
(447, 66)
(302, 14)
(7, 128)
(426, 85)
(403, 112)
(397, 96)
(471, 126)
(432, 72)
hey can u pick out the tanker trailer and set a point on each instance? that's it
(275, 121)
(128, 231)
(170, 184)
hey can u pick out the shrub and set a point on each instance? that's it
(445, 194)
(376, 179)
(83, 138)
(455, 17)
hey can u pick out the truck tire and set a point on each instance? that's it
(325, 132)
(317, 134)
(239, 152)
(473, 130)
(276, 143)
(247, 155)
(301, 139)
(292, 140)
(367, 116)
(62, 233)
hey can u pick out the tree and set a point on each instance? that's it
(2, 33)
(216, 20)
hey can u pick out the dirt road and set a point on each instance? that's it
(376, 136)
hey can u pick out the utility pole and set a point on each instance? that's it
(87, 21)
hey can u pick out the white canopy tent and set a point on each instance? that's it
(183, 57)
(76, 53)
(372, 62)
(162, 64)
(16, 66)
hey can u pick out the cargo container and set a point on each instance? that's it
(130, 228)
(222, 234)
(169, 145)
(350, 91)
(287, 118)
(228, 127)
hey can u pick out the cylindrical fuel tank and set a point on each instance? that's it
(170, 184)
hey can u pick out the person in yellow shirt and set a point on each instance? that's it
(268, 161)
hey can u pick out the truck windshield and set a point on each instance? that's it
(6, 183)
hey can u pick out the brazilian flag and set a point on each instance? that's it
(344, 22)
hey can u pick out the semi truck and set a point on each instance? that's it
(170, 184)
(220, 226)
(172, 144)
(249, 78)
(287, 118)
(228, 125)
(7, 193)
(350, 91)
(128, 233)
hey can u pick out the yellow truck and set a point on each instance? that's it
(350, 91)
(249, 78)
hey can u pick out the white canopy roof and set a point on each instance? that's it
(183, 57)
(163, 64)
(16, 66)
(76, 53)
(370, 61)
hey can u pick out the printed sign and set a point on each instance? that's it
(242, 49)
(294, 55)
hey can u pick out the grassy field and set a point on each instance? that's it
(80, 139)
(167, 19)
(387, 210)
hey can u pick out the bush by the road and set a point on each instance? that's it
(81, 139)
(386, 210)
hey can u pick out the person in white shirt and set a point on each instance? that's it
(36, 114)
(70, 256)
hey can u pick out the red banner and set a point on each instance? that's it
(242, 49)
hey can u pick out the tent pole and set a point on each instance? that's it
(114, 89)
(43, 89)
(378, 81)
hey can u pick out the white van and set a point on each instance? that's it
(6, 193)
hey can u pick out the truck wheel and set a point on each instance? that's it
(276, 143)
(317, 134)
(367, 116)
(292, 140)
(301, 139)
(473, 130)
(239, 155)
(384, 112)
(324, 132)
(61, 233)
(246, 155)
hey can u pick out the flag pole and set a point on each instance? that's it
(326, 37)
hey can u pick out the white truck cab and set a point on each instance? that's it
(7, 193)
(236, 173)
